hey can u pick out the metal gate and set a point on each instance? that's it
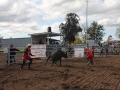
(7, 59)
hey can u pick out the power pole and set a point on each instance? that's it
(86, 20)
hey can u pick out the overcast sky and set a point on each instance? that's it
(18, 18)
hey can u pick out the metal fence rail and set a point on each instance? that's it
(12, 59)
(5, 58)
(17, 58)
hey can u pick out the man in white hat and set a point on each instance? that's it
(28, 45)
(27, 56)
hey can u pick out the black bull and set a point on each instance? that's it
(56, 55)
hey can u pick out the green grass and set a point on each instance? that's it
(21, 49)
(1, 49)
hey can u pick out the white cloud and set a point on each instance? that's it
(33, 16)
(110, 22)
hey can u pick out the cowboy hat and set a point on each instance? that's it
(86, 48)
(28, 45)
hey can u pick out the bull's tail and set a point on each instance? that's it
(47, 59)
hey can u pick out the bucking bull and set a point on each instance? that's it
(56, 55)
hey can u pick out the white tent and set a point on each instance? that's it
(115, 39)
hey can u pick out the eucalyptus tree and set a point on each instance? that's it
(96, 31)
(118, 32)
(1, 40)
(77, 41)
(83, 34)
(71, 27)
(109, 38)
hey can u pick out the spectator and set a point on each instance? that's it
(106, 49)
(43, 42)
(12, 53)
(70, 50)
(118, 49)
(112, 49)
(40, 42)
(27, 56)
(53, 42)
(57, 43)
(101, 51)
(93, 48)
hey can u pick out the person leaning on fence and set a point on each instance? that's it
(101, 51)
(70, 50)
(12, 53)
(93, 48)
(27, 56)
(106, 49)
(89, 56)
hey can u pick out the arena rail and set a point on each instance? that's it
(5, 57)
(17, 57)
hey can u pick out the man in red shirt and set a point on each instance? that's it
(27, 56)
(89, 56)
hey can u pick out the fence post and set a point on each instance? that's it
(8, 57)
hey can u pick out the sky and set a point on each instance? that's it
(19, 18)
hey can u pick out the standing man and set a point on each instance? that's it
(27, 56)
(106, 49)
(93, 48)
(70, 50)
(89, 56)
(13, 51)
(101, 51)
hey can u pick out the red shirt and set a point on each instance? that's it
(89, 53)
(27, 54)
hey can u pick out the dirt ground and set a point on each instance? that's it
(74, 74)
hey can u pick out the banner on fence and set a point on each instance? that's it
(38, 50)
(79, 52)
(6, 50)
(90, 42)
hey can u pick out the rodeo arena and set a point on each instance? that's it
(74, 74)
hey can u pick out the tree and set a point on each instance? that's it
(118, 32)
(1, 41)
(71, 28)
(77, 41)
(83, 34)
(109, 38)
(95, 31)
